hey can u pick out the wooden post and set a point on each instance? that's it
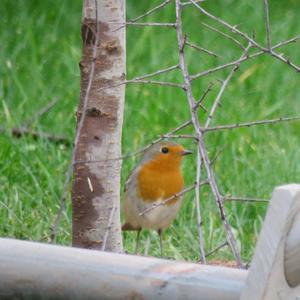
(275, 268)
(38, 271)
(96, 186)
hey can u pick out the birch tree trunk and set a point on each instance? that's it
(96, 186)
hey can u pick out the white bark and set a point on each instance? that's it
(96, 186)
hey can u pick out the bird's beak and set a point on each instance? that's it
(186, 152)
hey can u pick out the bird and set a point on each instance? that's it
(156, 178)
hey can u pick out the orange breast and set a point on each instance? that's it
(155, 182)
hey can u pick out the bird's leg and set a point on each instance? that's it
(137, 240)
(159, 231)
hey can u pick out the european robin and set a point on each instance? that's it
(157, 177)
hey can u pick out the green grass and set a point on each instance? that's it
(39, 57)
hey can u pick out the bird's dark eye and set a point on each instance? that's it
(164, 150)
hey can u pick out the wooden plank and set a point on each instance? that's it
(31, 270)
(267, 274)
(292, 254)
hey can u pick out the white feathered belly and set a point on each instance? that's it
(158, 218)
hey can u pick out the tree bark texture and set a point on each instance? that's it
(96, 186)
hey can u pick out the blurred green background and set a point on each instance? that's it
(39, 55)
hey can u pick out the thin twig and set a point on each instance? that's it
(113, 209)
(250, 124)
(149, 12)
(146, 24)
(180, 136)
(267, 22)
(235, 41)
(286, 42)
(217, 155)
(198, 210)
(244, 199)
(164, 202)
(224, 66)
(62, 206)
(156, 73)
(201, 49)
(202, 98)
(248, 38)
(217, 248)
(171, 84)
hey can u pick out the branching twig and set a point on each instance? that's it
(250, 124)
(248, 38)
(156, 73)
(201, 145)
(149, 12)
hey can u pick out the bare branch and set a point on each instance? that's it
(249, 39)
(164, 202)
(235, 41)
(151, 11)
(227, 25)
(285, 60)
(217, 155)
(201, 49)
(283, 43)
(156, 73)
(198, 210)
(201, 145)
(162, 83)
(200, 101)
(113, 209)
(250, 124)
(229, 64)
(244, 199)
(267, 21)
(180, 136)
(62, 206)
(146, 24)
(217, 248)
